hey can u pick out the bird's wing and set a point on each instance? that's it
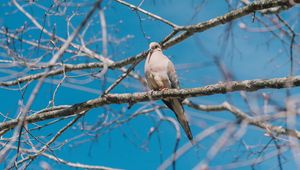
(176, 104)
(172, 75)
(148, 78)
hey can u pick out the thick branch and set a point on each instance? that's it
(235, 14)
(220, 88)
(65, 68)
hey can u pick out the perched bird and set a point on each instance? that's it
(160, 74)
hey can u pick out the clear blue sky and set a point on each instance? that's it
(247, 55)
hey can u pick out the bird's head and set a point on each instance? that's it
(154, 45)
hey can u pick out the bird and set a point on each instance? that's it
(160, 75)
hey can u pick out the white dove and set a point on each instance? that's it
(160, 74)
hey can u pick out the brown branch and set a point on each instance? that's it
(220, 88)
(238, 13)
(65, 68)
(203, 26)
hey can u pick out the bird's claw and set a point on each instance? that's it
(151, 92)
(163, 89)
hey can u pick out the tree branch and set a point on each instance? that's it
(147, 13)
(220, 88)
(238, 13)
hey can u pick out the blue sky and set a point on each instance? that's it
(247, 55)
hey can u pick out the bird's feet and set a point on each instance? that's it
(151, 91)
(163, 89)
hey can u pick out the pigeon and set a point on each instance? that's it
(161, 75)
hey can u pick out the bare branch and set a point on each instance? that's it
(147, 13)
(183, 93)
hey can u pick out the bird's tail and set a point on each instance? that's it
(176, 106)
